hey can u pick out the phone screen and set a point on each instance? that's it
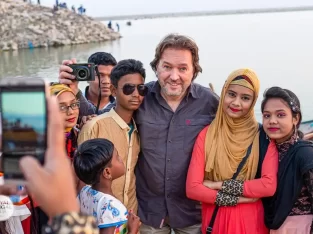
(23, 128)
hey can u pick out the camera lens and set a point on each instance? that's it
(82, 73)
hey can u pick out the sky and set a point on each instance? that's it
(23, 103)
(97, 8)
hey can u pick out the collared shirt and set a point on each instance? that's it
(108, 106)
(167, 140)
(112, 127)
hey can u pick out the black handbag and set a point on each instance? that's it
(209, 229)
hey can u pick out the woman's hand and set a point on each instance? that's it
(213, 185)
(247, 200)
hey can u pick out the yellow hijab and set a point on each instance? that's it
(227, 139)
(56, 90)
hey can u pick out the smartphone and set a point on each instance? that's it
(23, 108)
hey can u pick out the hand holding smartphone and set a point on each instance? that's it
(23, 108)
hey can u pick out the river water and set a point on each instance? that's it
(278, 46)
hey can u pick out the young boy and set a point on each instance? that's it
(118, 126)
(97, 163)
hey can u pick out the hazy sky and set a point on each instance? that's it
(24, 103)
(129, 7)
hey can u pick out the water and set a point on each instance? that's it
(279, 47)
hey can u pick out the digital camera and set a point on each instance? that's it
(83, 71)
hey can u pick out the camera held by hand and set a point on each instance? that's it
(83, 71)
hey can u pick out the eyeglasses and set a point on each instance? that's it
(73, 106)
(128, 89)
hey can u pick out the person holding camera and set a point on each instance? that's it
(105, 63)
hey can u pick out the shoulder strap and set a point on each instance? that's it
(242, 163)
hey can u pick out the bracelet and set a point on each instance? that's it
(233, 187)
(72, 223)
(225, 199)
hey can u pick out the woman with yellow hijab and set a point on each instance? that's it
(234, 141)
(69, 106)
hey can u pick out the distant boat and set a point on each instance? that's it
(307, 128)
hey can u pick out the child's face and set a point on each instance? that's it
(125, 98)
(118, 167)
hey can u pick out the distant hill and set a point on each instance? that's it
(204, 13)
(23, 25)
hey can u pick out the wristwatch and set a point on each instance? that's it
(72, 223)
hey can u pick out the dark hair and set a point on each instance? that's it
(289, 97)
(177, 41)
(91, 158)
(125, 67)
(102, 58)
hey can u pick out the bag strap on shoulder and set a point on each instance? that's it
(209, 229)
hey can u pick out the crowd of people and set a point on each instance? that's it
(169, 155)
(63, 5)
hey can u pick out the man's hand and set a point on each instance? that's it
(85, 119)
(65, 77)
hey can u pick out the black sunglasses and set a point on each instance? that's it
(128, 89)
